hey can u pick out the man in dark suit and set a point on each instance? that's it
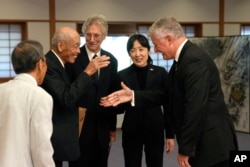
(65, 48)
(99, 124)
(204, 130)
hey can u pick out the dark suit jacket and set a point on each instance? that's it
(65, 114)
(143, 116)
(98, 120)
(203, 126)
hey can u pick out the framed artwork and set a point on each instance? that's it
(232, 57)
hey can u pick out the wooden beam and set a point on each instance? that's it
(221, 17)
(52, 17)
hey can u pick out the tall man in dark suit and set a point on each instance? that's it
(65, 48)
(99, 123)
(204, 130)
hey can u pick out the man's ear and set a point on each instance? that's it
(168, 38)
(61, 46)
(38, 71)
(39, 65)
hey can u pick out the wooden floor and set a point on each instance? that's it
(116, 155)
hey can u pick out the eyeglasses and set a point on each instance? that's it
(95, 36)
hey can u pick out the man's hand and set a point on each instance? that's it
(183, 160)
(118, 97)
(97, 63)
(169, 145)
(112, 135)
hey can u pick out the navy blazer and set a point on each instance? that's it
(98, 119)
(147, 116)
(65, 113)
(204, 129)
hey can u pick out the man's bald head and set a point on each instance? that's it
(64, 34)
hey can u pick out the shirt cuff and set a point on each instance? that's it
(133, 99)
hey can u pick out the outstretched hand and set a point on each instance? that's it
(121, 96)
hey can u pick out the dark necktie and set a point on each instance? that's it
(172, 77)
(172, 72)
(95, 75)
(173, 68)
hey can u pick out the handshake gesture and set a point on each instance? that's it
(117, 97)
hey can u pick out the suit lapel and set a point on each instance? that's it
(173, 69)
(54, 60)
(103, 71)
(131, 78)
(84, 61)
(83, 57)
(185, 47)
(149, 77)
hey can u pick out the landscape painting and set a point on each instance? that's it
(232, 57)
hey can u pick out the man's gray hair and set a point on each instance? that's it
(166, 26)
(96, 19)
(25, 56)
(59, 36)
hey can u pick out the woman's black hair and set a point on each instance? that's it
(142, 40)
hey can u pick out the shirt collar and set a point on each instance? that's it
(177, 55)
(31, 77)
(60, 60)
(91, 54)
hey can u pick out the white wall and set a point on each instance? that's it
(210, 29)
(24, 9)
(35, 12)
(138, 10)
(231, 29)
(237, 11)
(40, 31)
